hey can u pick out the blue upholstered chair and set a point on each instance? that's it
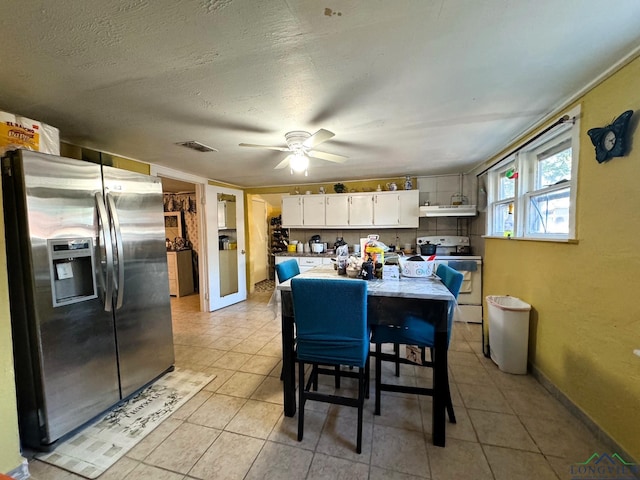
(331, 329)
(412, 330)
(287, 269)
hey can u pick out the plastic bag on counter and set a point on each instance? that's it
(342, 258)
(374, 250)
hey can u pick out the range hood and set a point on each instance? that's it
(448, 211)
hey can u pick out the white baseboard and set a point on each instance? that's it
(21, 472)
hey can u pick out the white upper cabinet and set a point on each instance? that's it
(410, 208)
(352, 210)
(313, 208)
(386, 209)
(292, 211)
(360, 210)
(337, 210)
(226, 215)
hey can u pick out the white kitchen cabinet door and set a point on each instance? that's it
(292, 211)
(386, 209)
(409, 208)
(307, 263)
(336, 210)
(313, 210)
(360, 210)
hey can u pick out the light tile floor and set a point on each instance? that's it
(508, 426)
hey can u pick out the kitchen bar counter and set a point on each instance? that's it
(425, 298)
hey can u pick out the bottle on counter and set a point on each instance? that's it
(507, 230)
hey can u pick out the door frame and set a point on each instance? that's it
(203, 263)
(257, 247)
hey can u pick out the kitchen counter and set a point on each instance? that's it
(305, 254)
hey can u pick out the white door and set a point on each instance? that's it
(258, 235)
(227, 266)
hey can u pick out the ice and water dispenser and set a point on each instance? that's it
(72, 270)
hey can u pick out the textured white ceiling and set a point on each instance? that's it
(409, 87)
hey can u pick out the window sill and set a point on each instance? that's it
(571, 241)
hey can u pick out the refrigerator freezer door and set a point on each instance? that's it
(143, 321)
(66, 355)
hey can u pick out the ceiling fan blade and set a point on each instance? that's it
(327, 156)
(284, 163)
(268, 147)
(317, 138)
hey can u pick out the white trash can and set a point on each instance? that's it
(508, 333)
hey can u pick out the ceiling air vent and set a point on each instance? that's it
(200, 147)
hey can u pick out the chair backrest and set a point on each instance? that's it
(331, 320)
(287, 269)
(452, 279)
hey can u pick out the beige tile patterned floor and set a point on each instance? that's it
(508, 427)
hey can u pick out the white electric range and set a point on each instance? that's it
(454, 251)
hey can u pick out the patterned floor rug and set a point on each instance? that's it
(265, 286)
(94, 449)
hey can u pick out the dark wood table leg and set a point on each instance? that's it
(288, 355)
(440, 379)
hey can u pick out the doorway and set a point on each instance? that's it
(183, 233)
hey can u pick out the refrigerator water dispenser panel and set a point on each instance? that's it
(72, 271)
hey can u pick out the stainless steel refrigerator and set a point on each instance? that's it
(89, 290)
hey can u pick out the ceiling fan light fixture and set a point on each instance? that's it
(299, 163)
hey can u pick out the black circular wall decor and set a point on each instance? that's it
(611, 141)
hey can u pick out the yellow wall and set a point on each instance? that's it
(585, 321)
(355, 185)
(9, 441)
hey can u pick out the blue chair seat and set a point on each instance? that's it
(412, 330)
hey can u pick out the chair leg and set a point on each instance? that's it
(337, 376)
(300, 399)
(314, 377)
(396, 353)
(450, 412)
(367, 372)
(361, 384)
(378, 377)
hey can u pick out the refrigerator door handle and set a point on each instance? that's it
(107, 284)
(120, 250)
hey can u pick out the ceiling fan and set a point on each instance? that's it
(301, 145)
